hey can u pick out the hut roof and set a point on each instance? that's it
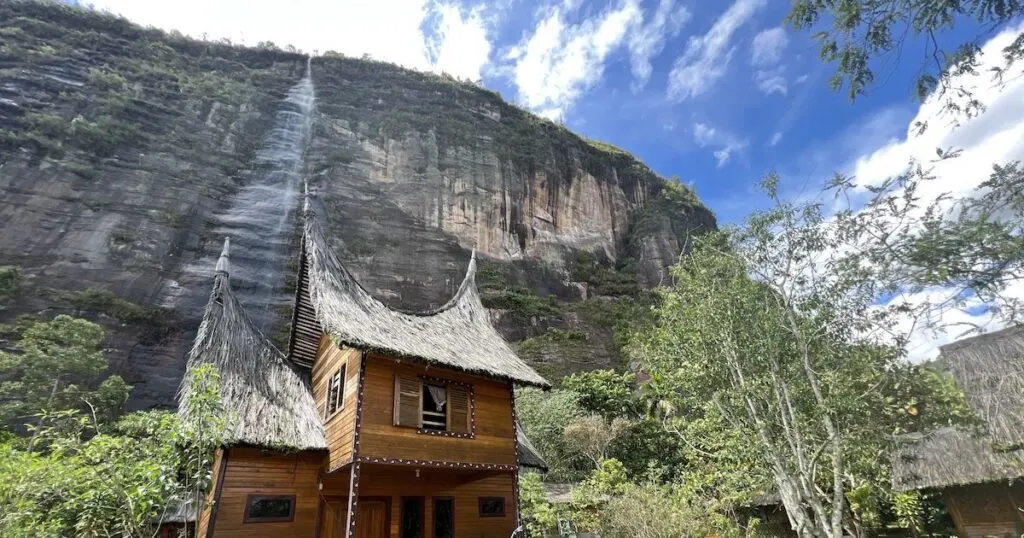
(526, 454)
(458, 335)
(990, 371)
(268, 399)
(951, 457)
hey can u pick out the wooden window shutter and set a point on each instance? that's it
(458, 410)
(408, 401)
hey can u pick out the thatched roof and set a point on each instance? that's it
(990, 370)
(951, 457)
(526, 454)
(269, 400)
(458, 335)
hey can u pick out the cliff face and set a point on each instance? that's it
(127, 155)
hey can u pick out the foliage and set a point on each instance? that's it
(10, 279)
(653, 510)
(592, 436)
(111, 479)
(56, 366)
(543, 417)
(862, 31)
(588, 500)
(605, 392)
(537, 514)
(522, 303)
(552, 337)
(111, 304)
(768, 333)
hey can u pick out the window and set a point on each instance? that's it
(444, 517)
(434, 405)
(492, 507)
(412, 517)
(335, 393)
(269, 508)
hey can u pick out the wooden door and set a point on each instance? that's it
(372, 520)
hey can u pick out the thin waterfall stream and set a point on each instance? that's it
(260, 217)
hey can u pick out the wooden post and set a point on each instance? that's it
(353, 504)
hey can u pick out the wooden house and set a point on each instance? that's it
(376, 422)
(980, 475)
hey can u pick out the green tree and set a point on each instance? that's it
(121, 479)
(56, 365)
(544, 417)
(538, 514)
(769, 345)
(605, 392)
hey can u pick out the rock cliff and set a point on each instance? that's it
(123, 151)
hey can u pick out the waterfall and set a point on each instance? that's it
(260, 217)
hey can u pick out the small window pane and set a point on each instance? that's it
(435, 407)
(270, 508)
(492, 507)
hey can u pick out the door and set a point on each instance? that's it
(371, 522)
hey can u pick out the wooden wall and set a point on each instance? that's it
(987, 509)
(396, 481)
(340, 427)
(494, 441)
(251, 471)
(204, 517)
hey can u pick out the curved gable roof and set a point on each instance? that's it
(458, 335)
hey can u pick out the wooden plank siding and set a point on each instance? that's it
(340, 427)
(251, 471)
(465, 487)
(983, 510)
(494, 438)
(211, 496)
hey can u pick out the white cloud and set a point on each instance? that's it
(772, 80)
(727, 144)
(776, 138)
(707, 57)
(767, 47)
(649, 40)
(462, 44)
(555, 64)
(391, 30)
(994, 137)
(559, 61)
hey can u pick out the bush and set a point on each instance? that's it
(10, 279)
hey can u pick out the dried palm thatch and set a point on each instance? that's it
(269, 400)
(458, 335)
(526, 454)
(951, 457)
(990, 370)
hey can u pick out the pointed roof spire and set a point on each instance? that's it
(222, 263)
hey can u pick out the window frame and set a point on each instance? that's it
(482, 500)
(340, 374)
(471, 407)
(252, 497)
